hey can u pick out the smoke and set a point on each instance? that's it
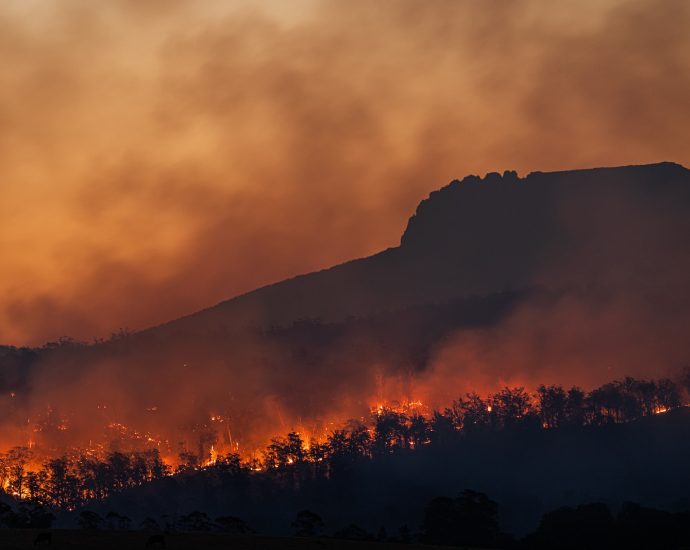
(576, 339)
(612, 298)
(155, 161)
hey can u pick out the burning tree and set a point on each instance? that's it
(71, 480)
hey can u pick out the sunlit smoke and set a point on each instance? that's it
(198, 150)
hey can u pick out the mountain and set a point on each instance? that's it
(480, 236)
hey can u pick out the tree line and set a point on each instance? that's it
(393, 429)
(70, 482)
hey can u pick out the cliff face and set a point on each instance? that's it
(551, 229)
(500, 205)
(482, 235)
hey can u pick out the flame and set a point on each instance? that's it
(48, 435)
(411, 406)
(213, 458)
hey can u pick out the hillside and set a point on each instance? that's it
(572, 277)
(477, 236)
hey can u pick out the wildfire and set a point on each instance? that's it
(401, 407)
(213, 458)
(207, 440)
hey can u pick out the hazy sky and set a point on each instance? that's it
(158, 157)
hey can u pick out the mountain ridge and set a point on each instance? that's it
(362, 286)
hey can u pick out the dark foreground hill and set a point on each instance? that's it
(127, 540)
(528, 471)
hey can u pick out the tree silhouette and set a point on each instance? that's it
(390, 430)
(474, 412)
(307, 524)
(117, 521)
(640, 528)
(36, 516)
(195, 521)
(667, 395)
(511, 406)
(471, 519)
(353, 532)
(552, 405)
(577, 412)
(418, 431)
(89, 520)
(234, 525)
(285, 451)
(17, 459)
(188, 461)
(587, 526)
(440, 525)
(149, 524)
(607, 402)
(442, 428)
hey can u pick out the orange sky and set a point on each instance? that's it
(158, 157)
